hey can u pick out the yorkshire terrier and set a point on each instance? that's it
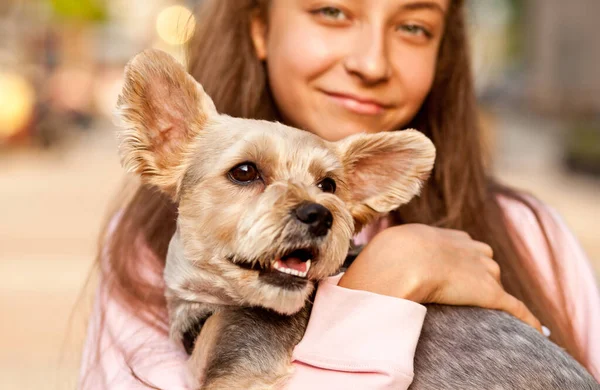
(265, 212)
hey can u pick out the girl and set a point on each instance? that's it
(336, 68)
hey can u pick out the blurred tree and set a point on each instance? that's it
(563, 55)
(515, 31)
(80, 10)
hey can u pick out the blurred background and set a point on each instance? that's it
(537, 68)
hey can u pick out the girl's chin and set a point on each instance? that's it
(333, 126)
(338, 131)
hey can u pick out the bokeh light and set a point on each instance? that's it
(17, 99)
(70, 88)
(175, 24)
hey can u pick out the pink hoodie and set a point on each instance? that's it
(354, 340)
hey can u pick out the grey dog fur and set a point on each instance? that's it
(470, 348)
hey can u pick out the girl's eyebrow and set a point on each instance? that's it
(417, 5)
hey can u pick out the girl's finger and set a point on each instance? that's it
(484, 248)
(457, 233)
(513, 306)
(493, 267)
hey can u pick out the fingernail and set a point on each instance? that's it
(545, 331)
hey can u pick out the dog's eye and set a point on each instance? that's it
(244, 173)
(327, 185)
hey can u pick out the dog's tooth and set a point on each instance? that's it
(291, 271)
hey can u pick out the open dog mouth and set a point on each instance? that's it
(296, 263)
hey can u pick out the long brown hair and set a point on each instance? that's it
(459, 195)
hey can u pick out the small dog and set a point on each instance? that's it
(265, 212)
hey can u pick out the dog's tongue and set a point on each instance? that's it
(292, 263)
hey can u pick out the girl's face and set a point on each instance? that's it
(339, 67)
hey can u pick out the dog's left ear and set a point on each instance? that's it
(161, 110)
(384, 170)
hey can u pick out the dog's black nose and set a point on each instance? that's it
(318, 218)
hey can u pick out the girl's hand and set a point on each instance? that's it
(433, 265)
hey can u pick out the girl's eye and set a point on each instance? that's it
(331, 13)
(415, 29)
(327, 185)
(244, 173)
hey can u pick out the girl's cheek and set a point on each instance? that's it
(300, 49)
(416, 71)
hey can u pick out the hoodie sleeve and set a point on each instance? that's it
(357, 340)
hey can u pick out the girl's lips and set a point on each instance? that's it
(357, 105)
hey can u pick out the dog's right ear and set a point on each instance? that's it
(161, 110)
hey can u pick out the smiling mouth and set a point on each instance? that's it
(357, 105)
(292, 264)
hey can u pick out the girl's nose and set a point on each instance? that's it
(367, 58)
